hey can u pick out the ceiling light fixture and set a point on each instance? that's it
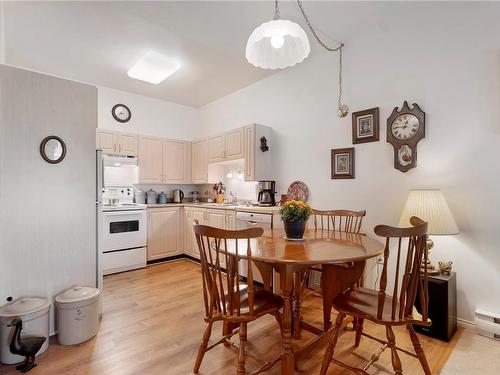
(153, 68)
(279, 44)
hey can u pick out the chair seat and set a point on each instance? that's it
(263, 301)
(363, 303)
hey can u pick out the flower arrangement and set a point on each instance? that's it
(295, 210)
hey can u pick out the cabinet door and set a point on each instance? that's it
(163, 233)
(127, 144)
(189, 244)
(249, 153)
(199, 161)
(216, 148)
(230, 221)
(201, 216)
(234, 144)
(174, 161)
(217, 218)
(105, 141)
(150, 160)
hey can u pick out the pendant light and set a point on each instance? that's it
(277, 44)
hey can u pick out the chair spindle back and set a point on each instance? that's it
(405, 290)
(339, 220)
(221, 288)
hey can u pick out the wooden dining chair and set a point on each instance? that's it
(396, 309)
(339, 220)
(226, 297)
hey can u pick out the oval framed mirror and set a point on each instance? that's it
(53, 149)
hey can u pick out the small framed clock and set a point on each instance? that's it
(121, 113)
(405, 128)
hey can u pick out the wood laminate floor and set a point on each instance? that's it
(153, 322)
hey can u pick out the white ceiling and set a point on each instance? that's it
(97, 42)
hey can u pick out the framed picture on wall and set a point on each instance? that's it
(365, 126)
(343, 163)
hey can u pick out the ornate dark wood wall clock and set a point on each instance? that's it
(405, 127)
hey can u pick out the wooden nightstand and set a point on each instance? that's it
(442, 307)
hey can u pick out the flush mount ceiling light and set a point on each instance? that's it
(279, 44)
(153, 68)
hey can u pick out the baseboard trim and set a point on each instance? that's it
(465, 323)
(166, 259)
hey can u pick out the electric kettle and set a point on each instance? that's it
(178, 196)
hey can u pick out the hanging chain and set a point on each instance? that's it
(299, 2)
(343, 109)
(340, 76)
(276, 10)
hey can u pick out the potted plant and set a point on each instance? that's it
(294, 214)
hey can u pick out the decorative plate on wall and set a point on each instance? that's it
(298, 191)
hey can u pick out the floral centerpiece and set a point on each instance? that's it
(295, 214)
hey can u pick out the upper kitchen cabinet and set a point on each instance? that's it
(105, 141)
(176, 162)
(227, 146)
(116, 143)
(257, 153)
(199, 161)
(127, 144)
(150, 160)
(216, 148)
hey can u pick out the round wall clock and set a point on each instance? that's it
(121, 113)
(405, 128)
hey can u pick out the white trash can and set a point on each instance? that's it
(34, 312)
(77, 315)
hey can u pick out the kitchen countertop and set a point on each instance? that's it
(241, 207)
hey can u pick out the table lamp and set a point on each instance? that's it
(429, 205)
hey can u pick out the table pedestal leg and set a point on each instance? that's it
(297, 304)
(287, 358)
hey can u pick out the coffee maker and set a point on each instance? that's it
(266, 193)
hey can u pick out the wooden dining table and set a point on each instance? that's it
(342, 257)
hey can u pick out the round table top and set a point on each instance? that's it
(318, 247)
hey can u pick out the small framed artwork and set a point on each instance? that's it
(343, 163)
(365, 126)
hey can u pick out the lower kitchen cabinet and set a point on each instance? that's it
(223, 219)
(164, 232)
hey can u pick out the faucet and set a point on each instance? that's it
(233, 198)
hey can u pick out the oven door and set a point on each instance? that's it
(124, 230)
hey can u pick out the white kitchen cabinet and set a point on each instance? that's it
(234, 144)
(164, 232)
(227, 146)
(126, 144)
(258, 163)
(216, 148)
(176, 162)
(199, 161)
(150, 160)
(230, 220)
(116, 143)
(105, 141)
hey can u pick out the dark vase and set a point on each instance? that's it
(295, 229)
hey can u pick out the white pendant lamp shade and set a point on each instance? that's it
(277, 44)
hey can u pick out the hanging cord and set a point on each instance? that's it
(276, 10)
(343, 109)
(331, 49)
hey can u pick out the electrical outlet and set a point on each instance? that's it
(380, 260)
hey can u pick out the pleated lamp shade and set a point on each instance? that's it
(277, 44)
(430, 206)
